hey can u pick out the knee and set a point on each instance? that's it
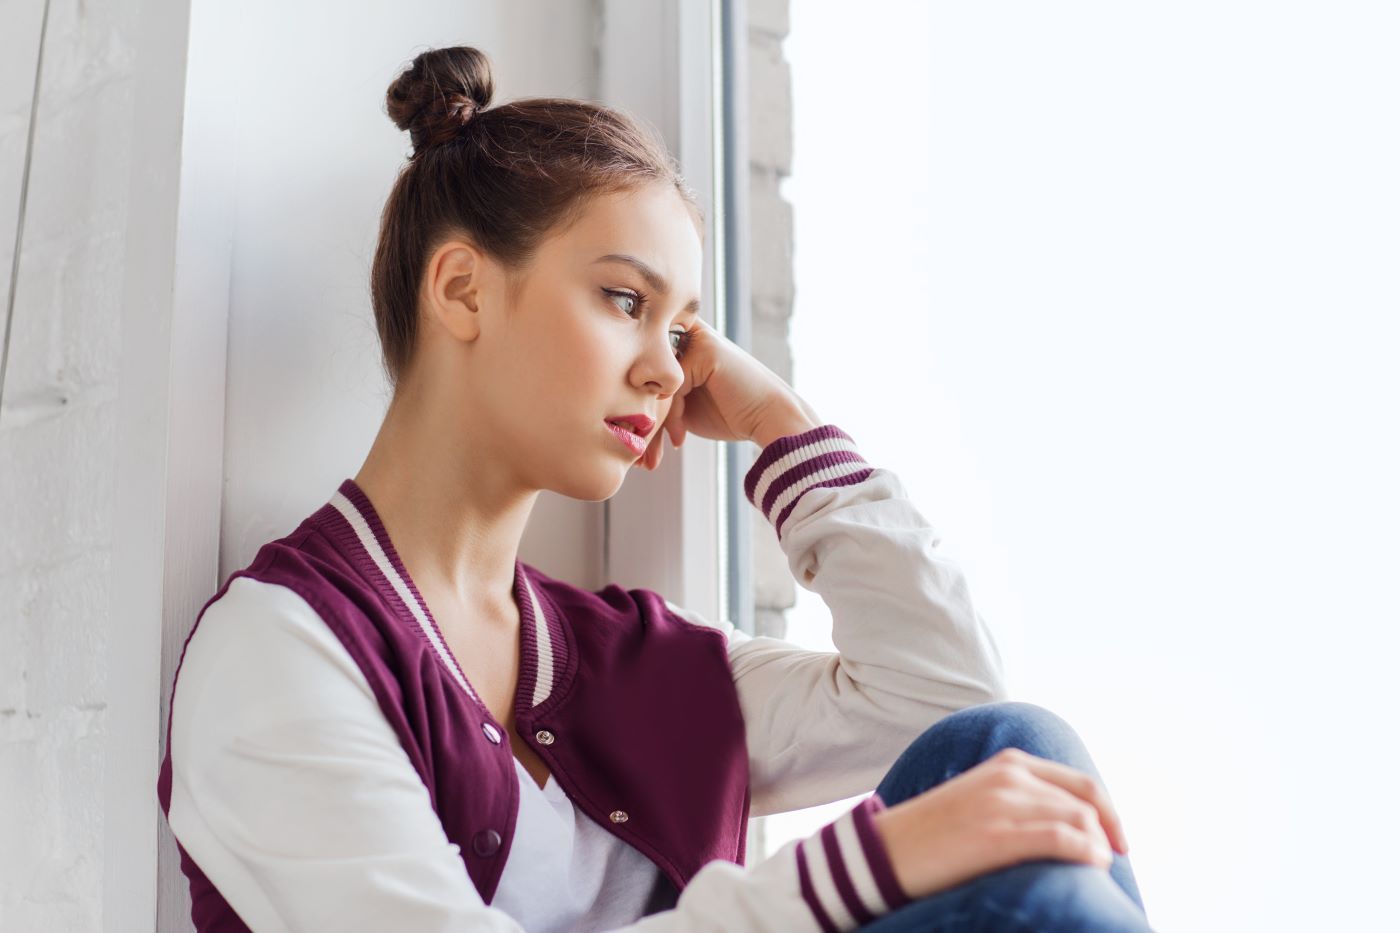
(966, 737)
(1010, 714)
(1048, 894)
(1005, 723)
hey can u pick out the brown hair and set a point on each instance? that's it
(504, 177)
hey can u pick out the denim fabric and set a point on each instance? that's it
(1042, 895)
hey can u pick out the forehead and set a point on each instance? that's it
(654, 224)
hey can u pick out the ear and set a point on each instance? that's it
(453, 283)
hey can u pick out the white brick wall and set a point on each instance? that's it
(57, 446)
(770, 160)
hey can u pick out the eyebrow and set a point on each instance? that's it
(654, 278)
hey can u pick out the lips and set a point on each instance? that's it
(633, 441)
(639, 424)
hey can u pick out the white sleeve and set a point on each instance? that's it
(911, 648)
(291, 791)
(293, 794)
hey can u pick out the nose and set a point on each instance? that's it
(658, 370)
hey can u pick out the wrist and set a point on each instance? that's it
(791, 418)
(888, 828)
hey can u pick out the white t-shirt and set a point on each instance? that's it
(595, 880)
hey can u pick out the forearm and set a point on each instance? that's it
(910, 645)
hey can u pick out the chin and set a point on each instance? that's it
(595, 486)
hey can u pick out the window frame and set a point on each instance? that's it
(673, 65)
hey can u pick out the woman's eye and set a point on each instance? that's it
(681, 337)
(625, 296)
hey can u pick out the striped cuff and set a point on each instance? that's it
(791, 465)
(845, 872)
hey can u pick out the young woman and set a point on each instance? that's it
(387, 721)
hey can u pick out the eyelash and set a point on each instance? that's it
(641, 300)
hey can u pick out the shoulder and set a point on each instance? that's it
(610, 604)
(260, 645)
(637, 605)
(733, 635)
(252, 606)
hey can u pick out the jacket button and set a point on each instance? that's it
(544, 737)
(486, 842)
(618, 816)
(492, 735)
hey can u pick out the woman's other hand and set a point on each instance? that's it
(1011, 808)
(728, 395)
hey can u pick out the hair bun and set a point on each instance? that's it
(439, 93)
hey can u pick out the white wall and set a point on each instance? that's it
(57, 444)
(1113, 287)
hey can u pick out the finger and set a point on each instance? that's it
(1060, 840)
(1082, 785)
(652, 456)
(1052, 802)
(674, 420)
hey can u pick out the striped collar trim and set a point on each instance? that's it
(354, 524)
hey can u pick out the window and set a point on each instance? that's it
(1112, 288)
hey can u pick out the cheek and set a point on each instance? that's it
(594, 356)
(577, 367)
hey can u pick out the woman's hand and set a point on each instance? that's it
(728, 396)
(1011, 808)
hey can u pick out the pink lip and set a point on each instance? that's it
(640, 423)
(635, 443)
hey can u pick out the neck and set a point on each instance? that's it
(450, 504)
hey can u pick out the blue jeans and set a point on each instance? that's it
(1042, 895)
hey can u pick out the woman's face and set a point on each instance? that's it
(587, 339)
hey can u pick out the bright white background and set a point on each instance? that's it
(1116, 291)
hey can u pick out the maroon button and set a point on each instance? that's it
(486, 842)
